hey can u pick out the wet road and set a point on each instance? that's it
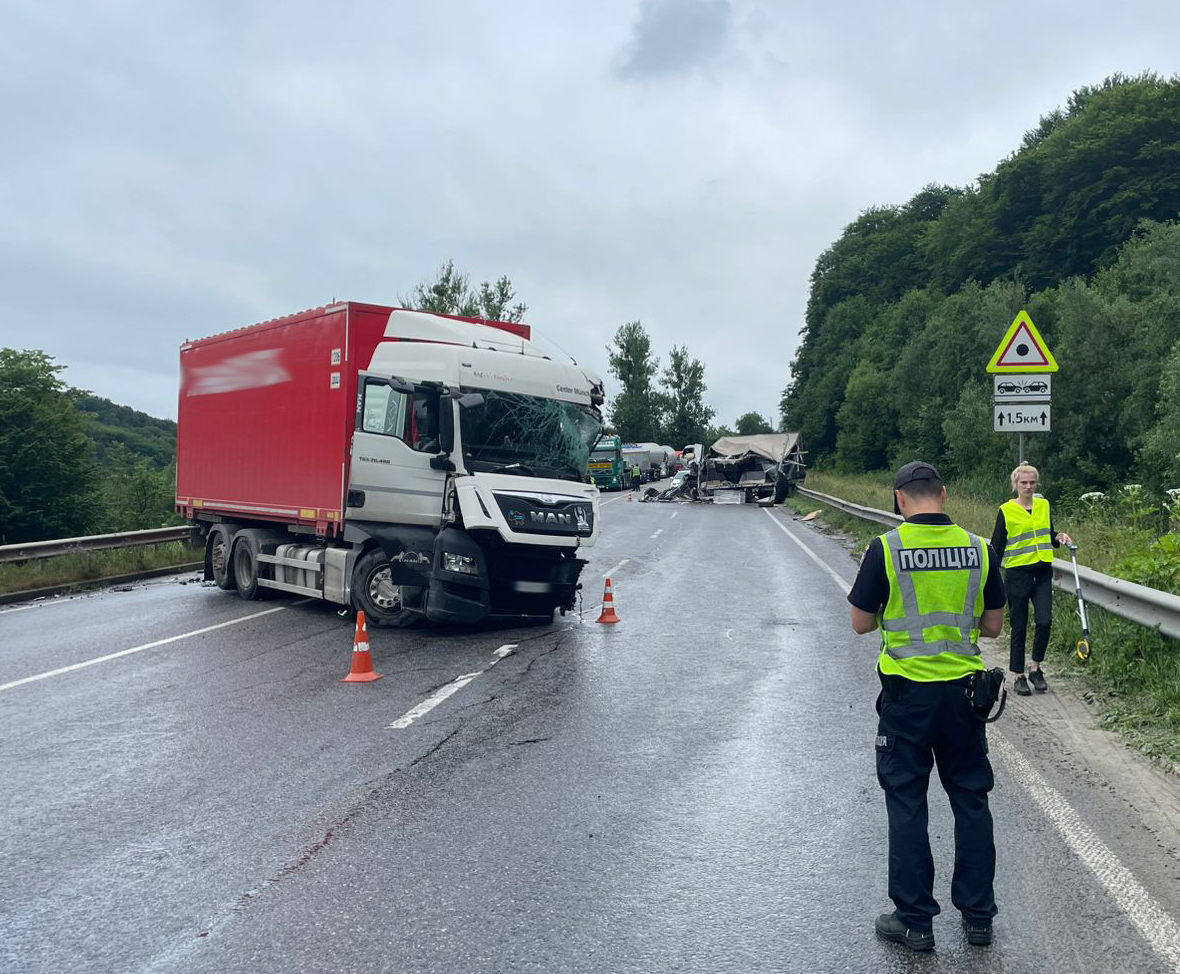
(692, 790)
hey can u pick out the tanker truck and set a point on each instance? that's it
(410, 464)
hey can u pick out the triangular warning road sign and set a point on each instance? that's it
(1022, 349)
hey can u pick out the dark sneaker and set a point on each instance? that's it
(1020, 685)
(1037, 679)
(889, 927)
(979, 934)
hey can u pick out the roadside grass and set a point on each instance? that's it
(1133, 674)
(89, 565)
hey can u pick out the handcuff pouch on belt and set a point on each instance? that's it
(983, 690)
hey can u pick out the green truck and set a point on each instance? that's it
(606, 464)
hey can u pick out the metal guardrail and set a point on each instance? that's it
(93, 542)
(1136, 603)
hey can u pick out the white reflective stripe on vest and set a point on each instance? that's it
(915, 622)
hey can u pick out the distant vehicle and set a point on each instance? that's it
(763, 467)
(606, 464)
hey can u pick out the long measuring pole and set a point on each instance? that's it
(1021, 448)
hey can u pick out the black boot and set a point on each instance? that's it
(889, 927)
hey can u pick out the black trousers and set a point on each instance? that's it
(923, 724)
(1026, 585)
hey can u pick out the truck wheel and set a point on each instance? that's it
(246, 570)
(382, 601)
(782, 490)
(219, 548)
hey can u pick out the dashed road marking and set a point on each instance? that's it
(442, 693)
(658, 533)
(607, 574)
(674, 513)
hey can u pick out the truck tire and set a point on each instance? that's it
(245, 569)
(373, 592)
(219, 544)
(782, 491)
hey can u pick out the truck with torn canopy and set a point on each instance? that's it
(409, 464)
(749, 469)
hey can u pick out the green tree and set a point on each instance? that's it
(636, 410)
(450, 293)
(750, 424)
(136, 493)
(687, 417)
(48, 480)
(1160, 455)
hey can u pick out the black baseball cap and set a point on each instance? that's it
(914, 470)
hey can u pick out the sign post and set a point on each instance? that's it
(1022, 369)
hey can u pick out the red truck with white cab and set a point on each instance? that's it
(410, 464)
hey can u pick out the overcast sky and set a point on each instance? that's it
(171, 170)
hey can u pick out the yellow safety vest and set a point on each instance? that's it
(1029, 537)
(930, 624)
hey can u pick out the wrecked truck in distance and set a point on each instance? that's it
(748, 469)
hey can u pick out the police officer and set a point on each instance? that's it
(932, 588)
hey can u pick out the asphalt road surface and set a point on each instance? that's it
(691, 790)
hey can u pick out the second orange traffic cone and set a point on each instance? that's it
(362, 657)
(608, 616)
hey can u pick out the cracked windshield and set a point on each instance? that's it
(530, 435)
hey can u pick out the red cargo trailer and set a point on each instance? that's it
(246, 446)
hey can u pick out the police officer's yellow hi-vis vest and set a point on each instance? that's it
(930, 625)
(1029, 540)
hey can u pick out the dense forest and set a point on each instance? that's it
(72, 463)
(1079, 226)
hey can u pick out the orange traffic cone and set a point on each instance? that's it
(630, 497)
(362, 659)
(608, 616)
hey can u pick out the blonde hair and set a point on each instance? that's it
(1024, 468)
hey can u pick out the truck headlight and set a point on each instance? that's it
(463, 564)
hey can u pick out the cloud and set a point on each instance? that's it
(675, 37)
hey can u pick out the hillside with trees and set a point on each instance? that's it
(1078, 225)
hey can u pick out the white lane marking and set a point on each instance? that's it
(1148, 917)
(42, 605)
(674, 513)
(1142, 909)
(658, 533)
(845, 587)
(616, 568)
(443, 693)
(728, 635)
(611, 501)
(135, 649)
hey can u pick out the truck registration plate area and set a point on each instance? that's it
(532, 588)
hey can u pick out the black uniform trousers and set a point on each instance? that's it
(923, 724)
(1023, 585)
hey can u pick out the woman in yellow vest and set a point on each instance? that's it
(1025, 539)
